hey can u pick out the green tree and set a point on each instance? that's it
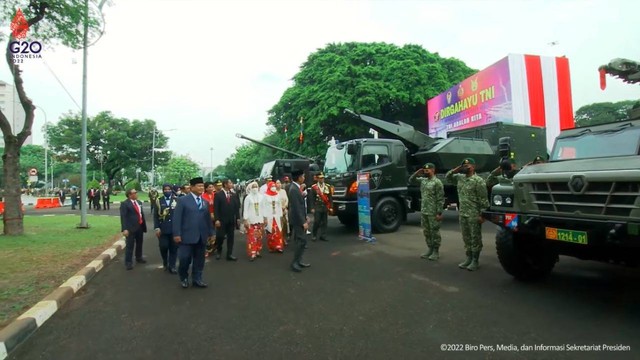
(381, 80)
(118, 142)
(49, 22)
(605, 112)
(179, 170)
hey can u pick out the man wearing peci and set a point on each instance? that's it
(227, 216)
(133, 226)
(298, 220)
(192, 229)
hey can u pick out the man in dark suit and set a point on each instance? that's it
(163, 224)
(192, 229)
(298, 220)
(105, 198)
(133, 227)
(226, 211)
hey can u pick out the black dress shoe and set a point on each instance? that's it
(129, 267)
(184, 283)
(323, 239)
(200, 284)
(232, 258)
(304, 265)
(173, 271)
(141, 261)
(295, 268)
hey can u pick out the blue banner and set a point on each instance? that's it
(364, 208)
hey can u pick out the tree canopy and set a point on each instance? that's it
(381, 80)
(122, 144)
(179, 170)
(605, 112)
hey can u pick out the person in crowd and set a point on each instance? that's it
(263, 188)
(133, 226)
(96, 199)
(163, 212)
(322, 206)
(254, 220)
(227, 219)
(192, 229)
(209, 192)
(105, 198)
(298, 220)
(284, 202)
(432, 197)
(273, 212)
(62, 196)
(90, 194)
(74, 198)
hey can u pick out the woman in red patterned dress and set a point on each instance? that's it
(208, 195)
(272, 206)
(254, 220)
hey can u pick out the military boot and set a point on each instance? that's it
(464, 264)
(435, 255)
(474, 262)
(427, 254)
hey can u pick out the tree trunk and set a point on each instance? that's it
(12, 219)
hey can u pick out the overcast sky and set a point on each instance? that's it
(211, 69)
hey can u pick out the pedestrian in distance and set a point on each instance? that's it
(298, 220)
(192, 229)
(133, 226)
(254, 221)
(163, 213)
(473, 199)
(74, 198)
(227, 218)
(432, 197)
(62, 196)
(105, 199)
(96, 199)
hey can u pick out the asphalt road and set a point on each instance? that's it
(357, 301)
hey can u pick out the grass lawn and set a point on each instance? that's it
(50, 251)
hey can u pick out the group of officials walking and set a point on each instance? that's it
(472, 200)
(190, 226)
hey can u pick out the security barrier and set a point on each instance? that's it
(47, 203)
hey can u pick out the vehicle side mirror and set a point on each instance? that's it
(351, 149)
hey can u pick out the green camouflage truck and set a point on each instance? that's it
(583, 203)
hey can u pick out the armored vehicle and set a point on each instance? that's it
(390, 162)
(584, 203)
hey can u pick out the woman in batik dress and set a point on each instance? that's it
(254, 221)
(272, 206)
(284, 201)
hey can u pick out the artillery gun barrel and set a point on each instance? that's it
(240, 136)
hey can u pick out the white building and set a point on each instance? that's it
(12, 109)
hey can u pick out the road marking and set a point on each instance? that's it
(75, 282)
(96, 264)
(41, 311)
(111, 252)
(435, 283)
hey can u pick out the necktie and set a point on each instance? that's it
(228, 198)
(137, 206)
(199, 202)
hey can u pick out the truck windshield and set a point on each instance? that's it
(621, 142)
(338, 161)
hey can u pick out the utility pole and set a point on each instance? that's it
(211, 164)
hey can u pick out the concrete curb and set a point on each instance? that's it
(26, 324)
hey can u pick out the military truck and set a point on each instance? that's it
(584, 203)
(279, 168)
(391, 161)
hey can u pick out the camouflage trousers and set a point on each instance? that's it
(431, 230)
(471, 233)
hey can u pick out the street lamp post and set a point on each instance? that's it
(153, 154)
(83, 146)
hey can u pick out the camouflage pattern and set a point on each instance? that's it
(472, 199)
(321, 212)
(497, 176)
(432, 195)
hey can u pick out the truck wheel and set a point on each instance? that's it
(524, 258)
(348, 220)
(387, 215)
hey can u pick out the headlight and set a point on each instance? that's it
(507, 200)
(497, 200)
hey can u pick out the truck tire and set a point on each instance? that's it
(387, 215)
(348, 220)
(524, 258)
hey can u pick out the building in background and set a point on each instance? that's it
(12, 109)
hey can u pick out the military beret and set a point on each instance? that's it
(217, 182)
(468, 161)
(429, 166)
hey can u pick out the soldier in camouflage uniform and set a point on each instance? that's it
(432, 194)
(472, 199)
(322, 197)
(506, 170)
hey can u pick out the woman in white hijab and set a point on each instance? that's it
(272, 206)
(254, 220)
(284, 201)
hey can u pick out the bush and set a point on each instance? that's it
(134, 184)
(93, 184)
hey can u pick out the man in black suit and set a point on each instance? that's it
(163, 224)
(133, 227)
(298, 220)
(192, 230)
(226, 212)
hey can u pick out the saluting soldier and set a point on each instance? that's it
(163, 225)
(506, 170)
(322, 198)
(472, 199)
(432, 195)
